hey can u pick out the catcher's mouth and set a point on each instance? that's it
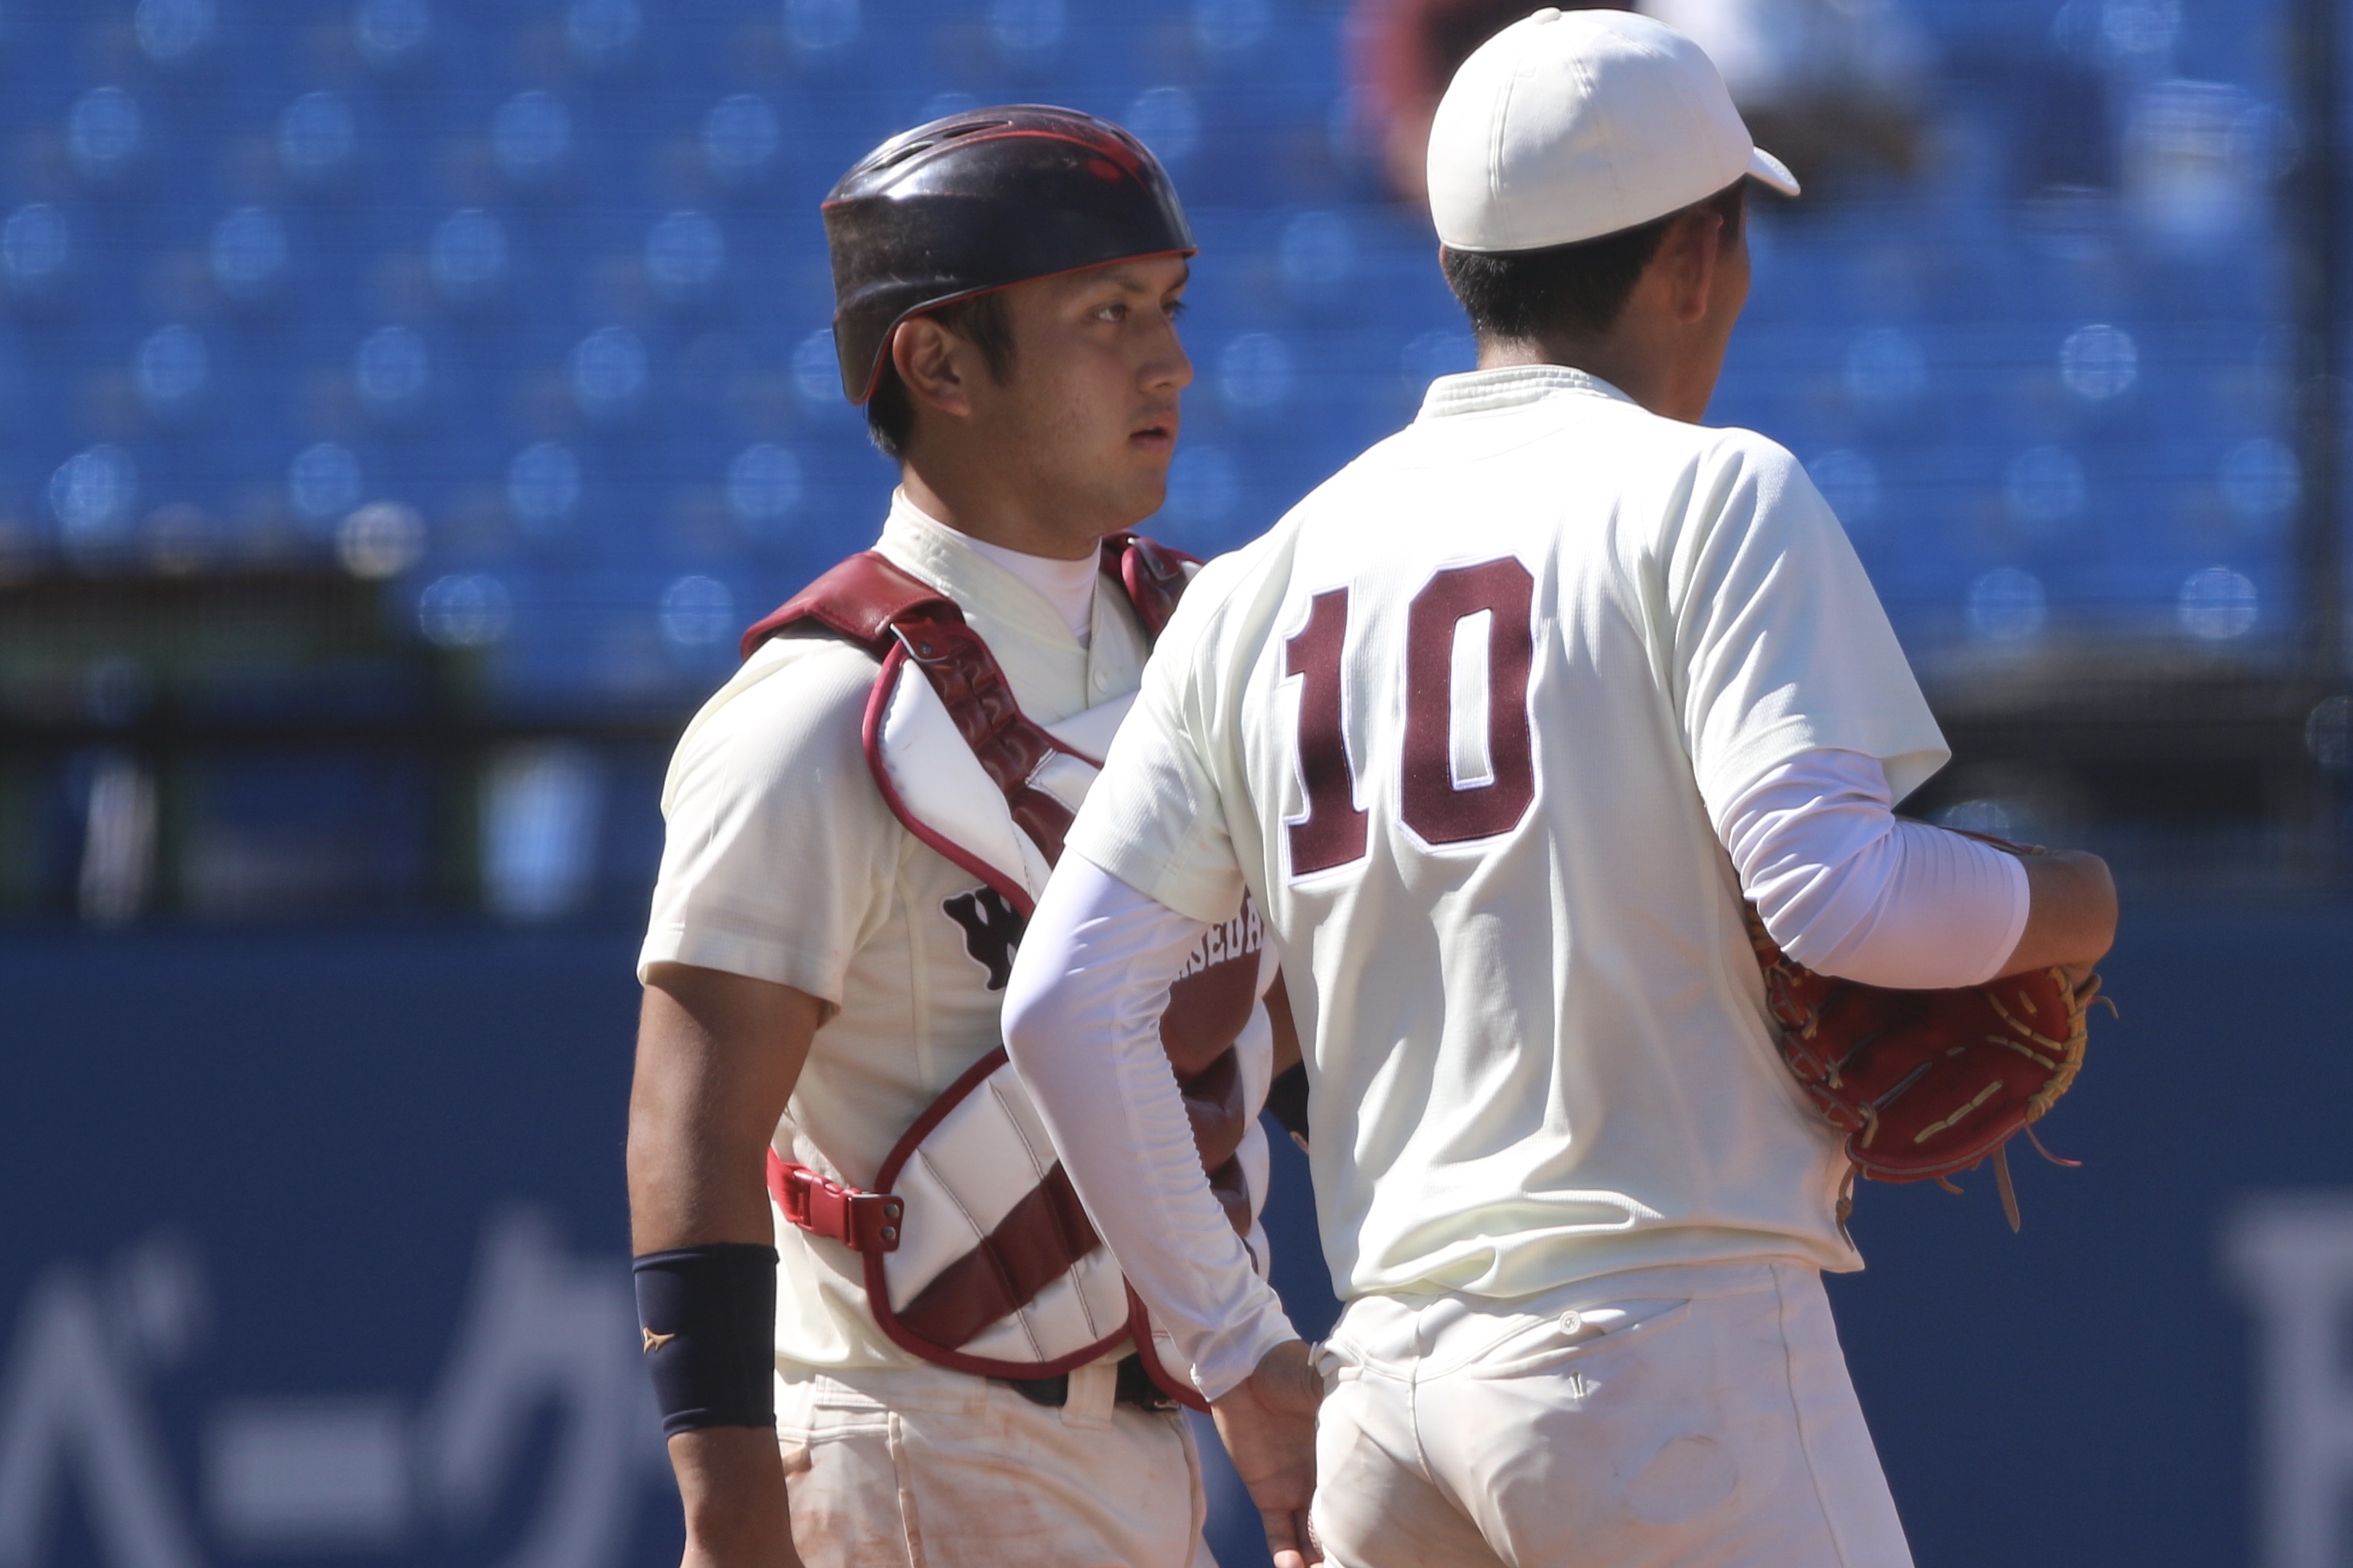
(1156, 430)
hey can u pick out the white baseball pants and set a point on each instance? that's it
(926, 1467)
(1680, 1417)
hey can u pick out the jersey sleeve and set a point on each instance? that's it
(1777, 639)
(779, 853)
(1155, 819)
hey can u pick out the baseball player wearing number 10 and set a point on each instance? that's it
(1498, 728)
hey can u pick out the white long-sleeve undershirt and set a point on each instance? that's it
(1093, 995)
(1068, 586)
(1848, 889)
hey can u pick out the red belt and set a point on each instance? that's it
(862, 1221)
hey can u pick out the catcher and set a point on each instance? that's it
(1499, 728)
(943, 1366)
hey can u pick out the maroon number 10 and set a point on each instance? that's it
(1438, 809)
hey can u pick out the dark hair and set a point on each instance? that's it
(982, 322)
(1578, 290)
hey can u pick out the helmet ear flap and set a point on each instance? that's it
(886, 359)
(863, 370)
(889, 410)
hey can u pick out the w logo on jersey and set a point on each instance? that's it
(992, 931)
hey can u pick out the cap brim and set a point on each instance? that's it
(1764, 165)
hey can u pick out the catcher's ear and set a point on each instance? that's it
(930, 359)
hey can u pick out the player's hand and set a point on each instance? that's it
(2071, 915)
(1268, 1427)
(732, 1482)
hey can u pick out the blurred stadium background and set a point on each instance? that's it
(403, 404)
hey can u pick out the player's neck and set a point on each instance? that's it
(992, 512)
(1667, 378)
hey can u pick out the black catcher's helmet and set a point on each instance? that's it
(979, 201)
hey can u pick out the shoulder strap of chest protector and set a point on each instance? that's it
(898, 617)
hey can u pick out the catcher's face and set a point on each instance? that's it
(1085, 421)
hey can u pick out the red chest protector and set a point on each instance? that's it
(978, 1254)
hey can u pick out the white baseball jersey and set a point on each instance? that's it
(782, 862)
(1448, 723)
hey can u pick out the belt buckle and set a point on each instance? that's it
(1136, 1387)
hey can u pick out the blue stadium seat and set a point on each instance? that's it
(544, 274)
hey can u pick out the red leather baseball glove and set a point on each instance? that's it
(1926, 1083)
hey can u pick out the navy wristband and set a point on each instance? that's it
(709, 1314)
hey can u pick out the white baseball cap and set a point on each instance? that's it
(1570, 125)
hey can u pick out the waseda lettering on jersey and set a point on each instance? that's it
(1211, 1000)
(1333, 832)
(1442, 811)
(1239, 937)
(992, 931)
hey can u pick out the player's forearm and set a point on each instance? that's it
(1848, 889)
(2071, 921)
(732, 1481)
(1082, 1017)
(717, 1058)
(686, 1193)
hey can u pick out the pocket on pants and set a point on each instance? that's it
(1577, 1334)
(851, 1501)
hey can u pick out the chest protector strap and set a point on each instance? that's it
(1027, 1289)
